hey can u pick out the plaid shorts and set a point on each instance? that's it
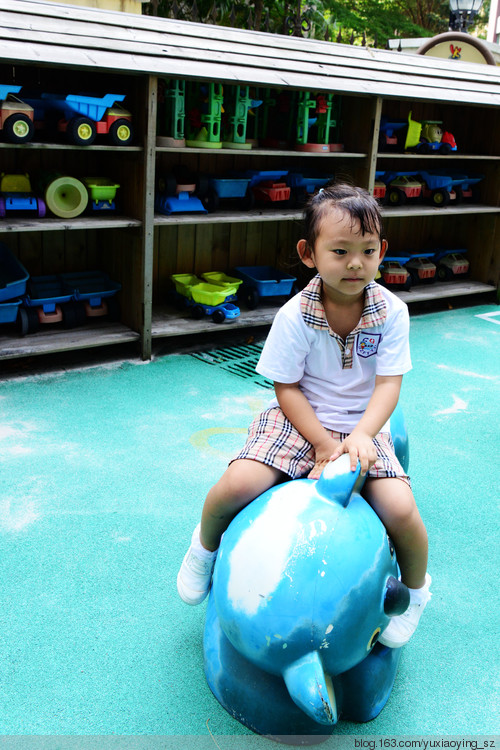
(273, 440)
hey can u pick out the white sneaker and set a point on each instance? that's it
(195, 576)
(401, 628)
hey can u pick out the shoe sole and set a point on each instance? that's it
(391, 644)
(187, 594)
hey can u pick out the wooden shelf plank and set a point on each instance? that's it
(42, 145)
(229, 217)
(421, 209)
(446, 290)
(263, 152)
(80, 222)
(55, 340)
(232, 217)
(168, 322)
(450, 158)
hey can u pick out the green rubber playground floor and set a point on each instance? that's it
(103, 475)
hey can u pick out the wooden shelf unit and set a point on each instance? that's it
(141, 249)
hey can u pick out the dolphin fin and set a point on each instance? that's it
(338, 481)
(311, 689)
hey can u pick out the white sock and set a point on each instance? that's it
(200, 550)
(418, 596)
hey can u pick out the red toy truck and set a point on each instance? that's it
(16, 116)
(82, 118)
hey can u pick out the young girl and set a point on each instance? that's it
(337, 353)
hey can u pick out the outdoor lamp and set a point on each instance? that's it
(462, 13)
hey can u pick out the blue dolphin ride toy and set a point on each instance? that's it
(305, 580)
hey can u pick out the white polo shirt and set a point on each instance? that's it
(337, 376)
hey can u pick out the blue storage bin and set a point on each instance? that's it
(9, 310)
(268, 281)
(13, 275)
(46, 292)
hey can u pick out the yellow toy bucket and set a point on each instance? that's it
(413, 135)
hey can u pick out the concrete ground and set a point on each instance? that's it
(104, 472)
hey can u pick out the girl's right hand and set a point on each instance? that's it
(323, 455)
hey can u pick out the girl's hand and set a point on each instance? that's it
(360, 447)
(323, 455)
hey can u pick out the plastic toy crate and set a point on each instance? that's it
(221, 279)
(100, 189)
(230, 187)
(46, 292)
(6, 89)
(211, 294)
(13, 275)
(9, 310)
(91, 106)
(90, 285)
(268, 281)
(184, 282)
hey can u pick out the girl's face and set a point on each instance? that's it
(345, 259)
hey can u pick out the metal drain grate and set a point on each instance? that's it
(238, 360)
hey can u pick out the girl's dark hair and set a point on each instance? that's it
(354, 201)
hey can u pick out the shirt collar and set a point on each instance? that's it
(374, 311)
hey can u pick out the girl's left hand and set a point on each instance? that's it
(360, 447)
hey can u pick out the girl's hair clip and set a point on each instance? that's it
(321, 190)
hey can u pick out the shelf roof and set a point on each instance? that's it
(48, 33)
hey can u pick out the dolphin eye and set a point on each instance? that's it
(373, 639)
(391, 547)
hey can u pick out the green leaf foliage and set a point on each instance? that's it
(371, 22)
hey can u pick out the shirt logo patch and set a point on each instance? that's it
(367, 344)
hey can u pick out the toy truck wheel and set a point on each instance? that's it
(202, 187)
(395, 197)
(444, 148)
(211, 201)
(27, 321)
(414, 276)
(251, 298)
(298, 197)
(198, 312)
(114, 311)
(81, 131)
(80, 315)
(248, 201)
(69, 315)
(18, 129)
(218, 316)
(444, 273)
(424, 148)
(408, 283)
(41, 208)
(121, 133)
(166, 184)
(440, 197)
